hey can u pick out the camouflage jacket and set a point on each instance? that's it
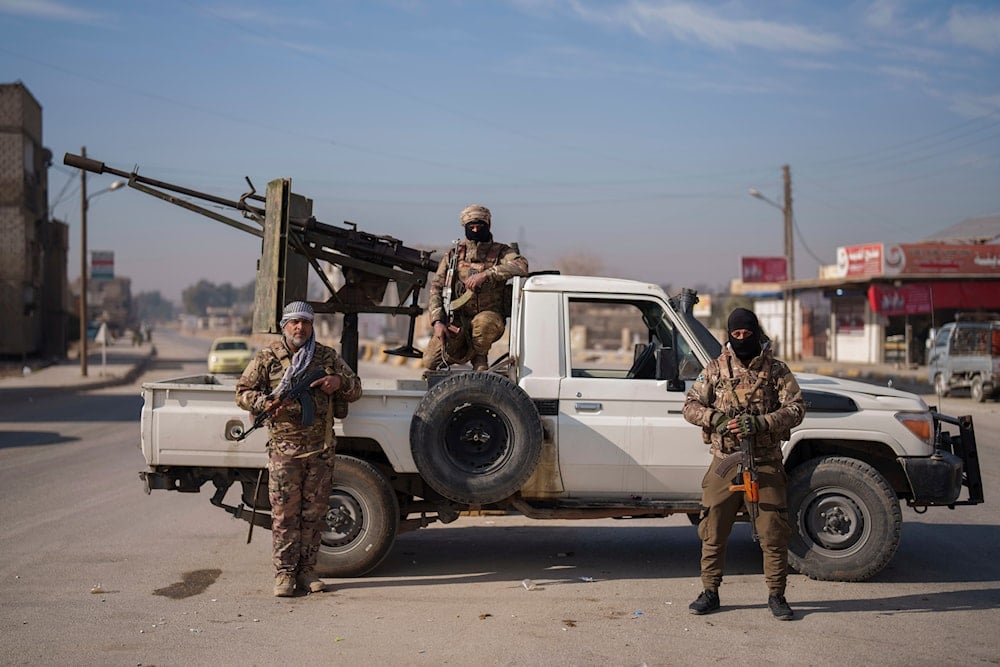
(499, 259)
(765, 387)
(264, 373)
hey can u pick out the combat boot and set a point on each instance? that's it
(480, 363)
(284, 585)
(308, 581)
(779, 607)
(706, 603)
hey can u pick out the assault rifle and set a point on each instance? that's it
(297, 392)
(448, 291)
(750, 483)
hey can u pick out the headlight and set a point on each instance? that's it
(212, 359)
(920, 424)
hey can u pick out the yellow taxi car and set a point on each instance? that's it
(229, 354)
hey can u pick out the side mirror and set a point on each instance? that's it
(666, 368)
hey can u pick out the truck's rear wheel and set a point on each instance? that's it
(361, 522)
(476, 437)
(845, 517)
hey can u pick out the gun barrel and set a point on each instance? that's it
(98, 167)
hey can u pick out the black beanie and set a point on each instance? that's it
(741, 318)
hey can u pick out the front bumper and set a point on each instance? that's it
(938, 479)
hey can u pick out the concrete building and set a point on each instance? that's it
(33, 248)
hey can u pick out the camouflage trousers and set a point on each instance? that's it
(299, 491)
(475, 338)
(719, 509)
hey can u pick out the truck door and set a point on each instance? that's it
(620, 430)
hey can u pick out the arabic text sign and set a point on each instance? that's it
(764, 269)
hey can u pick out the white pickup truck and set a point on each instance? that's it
(556, 430)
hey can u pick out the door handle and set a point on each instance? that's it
(588, 407)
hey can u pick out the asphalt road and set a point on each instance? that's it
(95, 572)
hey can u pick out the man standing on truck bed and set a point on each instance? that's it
(300, 451)
(745, 394)
(466, 305)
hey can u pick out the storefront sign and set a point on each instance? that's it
(903, 300)
(859, 260)
(942, 259)
(764, 269)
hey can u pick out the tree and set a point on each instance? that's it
(152, 307)
(581, 263)
(204, 294)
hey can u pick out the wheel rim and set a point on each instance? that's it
(835, 522)
(477, 439)
(939, 385)
(345, 519)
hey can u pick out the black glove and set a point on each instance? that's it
(719, 423)
(750, 424)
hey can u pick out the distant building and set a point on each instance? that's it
(32, 248)
(109, 300)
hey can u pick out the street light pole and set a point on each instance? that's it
(83, 267)
(788, 310)
(84, 204)
(790, 256)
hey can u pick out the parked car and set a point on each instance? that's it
(966, 355)
(229, 354)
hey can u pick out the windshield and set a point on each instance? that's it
(704, 336)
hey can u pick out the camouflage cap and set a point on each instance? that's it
(474, 212)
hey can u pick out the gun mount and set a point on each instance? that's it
(292, 240)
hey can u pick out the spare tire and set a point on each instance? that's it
(476, 437)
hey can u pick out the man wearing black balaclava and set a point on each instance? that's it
(745, 393)
(481, 268)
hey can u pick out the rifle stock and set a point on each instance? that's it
(750, 485)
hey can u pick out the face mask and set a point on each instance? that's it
(483, 233)
(746, 349)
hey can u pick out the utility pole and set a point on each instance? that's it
(789, 334)
(83, 267)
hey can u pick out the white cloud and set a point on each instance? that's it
(975, 30)
(48, 10)
(902, 73)
(882, 14)
(694, 23)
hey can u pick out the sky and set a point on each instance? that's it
(626, 132)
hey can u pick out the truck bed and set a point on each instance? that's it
(193, 420)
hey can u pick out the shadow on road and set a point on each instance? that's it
(32, 438)
(566, 554)
(76, 407)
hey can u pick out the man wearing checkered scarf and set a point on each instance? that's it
(300, 455)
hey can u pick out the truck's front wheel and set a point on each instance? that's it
(846, 521)
(361, 522)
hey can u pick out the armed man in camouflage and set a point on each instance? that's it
(478, 320)
(746, 392)
(300, 456)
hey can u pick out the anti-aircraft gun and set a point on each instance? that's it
(292, 241)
